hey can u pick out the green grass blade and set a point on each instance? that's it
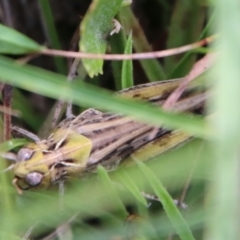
(110, 190)
(224, 193)
(11, 144)
(171, 209)
(14, 42)
(51, 84)
(52, 35)
(152, 67)
(132, 187)
(127, 66)
(184, 10)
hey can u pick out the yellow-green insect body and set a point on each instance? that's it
(79, 144)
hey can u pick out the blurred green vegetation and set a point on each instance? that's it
(110, 206)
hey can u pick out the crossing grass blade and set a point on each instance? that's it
(170, 208)
(51, 84)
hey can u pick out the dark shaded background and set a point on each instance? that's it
(25, 16)
(154, 17)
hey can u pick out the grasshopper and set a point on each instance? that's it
(80, 143)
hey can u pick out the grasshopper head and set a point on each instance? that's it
(41, 164)
(29, 172)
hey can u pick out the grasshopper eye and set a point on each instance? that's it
(33, 178)
(24, 154)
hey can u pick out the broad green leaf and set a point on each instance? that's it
(94, 29)
(14, 42)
